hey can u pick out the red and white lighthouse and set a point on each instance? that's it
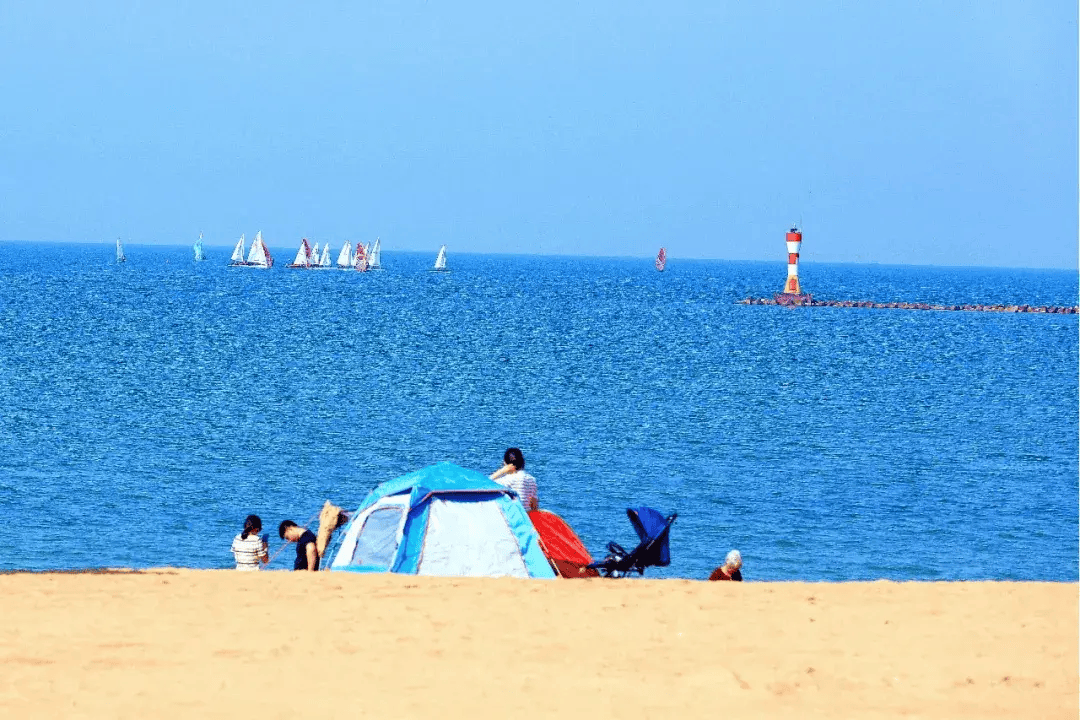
(794, 244)
(793, 294)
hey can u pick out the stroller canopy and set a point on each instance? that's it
(442, 520)
(653, 531)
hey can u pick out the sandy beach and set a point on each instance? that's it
(189, 643)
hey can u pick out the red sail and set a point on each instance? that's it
(661, 259)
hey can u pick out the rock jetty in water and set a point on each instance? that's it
(1056, 309)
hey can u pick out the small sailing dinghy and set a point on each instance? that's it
(237, 258)
(661, 260)
(375, 256)
(303, 256)
(259, 255)
(344, 258)
(200, 255)
(440, 261)
(120, 256)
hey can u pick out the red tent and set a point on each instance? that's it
(561, 546)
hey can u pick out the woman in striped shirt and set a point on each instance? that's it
(248, 548)
(512, 474)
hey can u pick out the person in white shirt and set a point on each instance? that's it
(512, 474)
(248, 548)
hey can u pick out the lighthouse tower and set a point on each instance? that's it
(794, 244)
(793, 294)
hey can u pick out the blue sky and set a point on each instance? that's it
(895, 132)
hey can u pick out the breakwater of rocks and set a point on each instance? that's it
(1056, 309)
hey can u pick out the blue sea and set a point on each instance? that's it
(148, 407)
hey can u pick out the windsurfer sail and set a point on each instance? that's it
(661, 260)
(199, 254)
(120, 256)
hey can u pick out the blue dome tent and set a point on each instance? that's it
(442, 520)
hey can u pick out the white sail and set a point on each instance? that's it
(303, 253)
(374, 261)
(324, 259)
(256, 250)
(120, 256)
(259, 256)
(440, 262)
(238, 251)
(344, 257)
(199, 254)
(314, 257)
(265, 261)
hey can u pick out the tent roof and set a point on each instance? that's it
(444, 477)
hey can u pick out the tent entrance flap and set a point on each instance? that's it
(377, 543)
(470, 538)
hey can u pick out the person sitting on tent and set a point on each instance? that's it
(306, 556)
(512, 474)
(730, 570)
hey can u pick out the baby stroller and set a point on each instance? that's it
(653, 530)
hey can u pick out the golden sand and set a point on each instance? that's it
(198, 643)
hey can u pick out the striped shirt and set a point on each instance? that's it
(524, 485)
(247, 552)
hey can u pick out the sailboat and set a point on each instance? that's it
(360, 259)
(303, 256)
(344, 258)
(440, 261)
(259, 255)
(324, 259)
(237, 258)
(200, 255)
(374, 261)
(120, 257)
(661, 260)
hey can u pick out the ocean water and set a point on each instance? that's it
(146, 408)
